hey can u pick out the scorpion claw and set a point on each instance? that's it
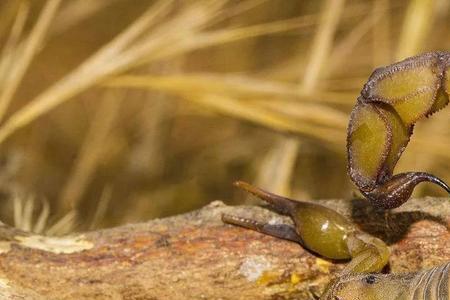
(282, 231)
(281, 204)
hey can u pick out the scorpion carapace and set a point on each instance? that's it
(382, 121)
(432, 284)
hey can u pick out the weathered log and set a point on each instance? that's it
(195, 256)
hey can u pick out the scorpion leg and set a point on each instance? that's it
(369, 254)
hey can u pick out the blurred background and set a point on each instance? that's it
(115, 111)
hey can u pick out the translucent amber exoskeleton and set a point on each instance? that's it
(381, 123)
(319, 229)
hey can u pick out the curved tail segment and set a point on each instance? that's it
(381, 123)
(399, 188)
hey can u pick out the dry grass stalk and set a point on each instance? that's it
(11, 44)
(93, 149)
(277, 175)
(102, 207)
(249, 84)
(119, 56)
(381, 39)
(416, 26)
(233, 85)
(322, 43)
(23, 60)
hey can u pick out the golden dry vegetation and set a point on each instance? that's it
(116, 111)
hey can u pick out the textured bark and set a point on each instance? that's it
(195, 256)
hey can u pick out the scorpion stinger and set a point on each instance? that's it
(399, 188)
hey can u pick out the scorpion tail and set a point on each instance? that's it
(399, 188)
(438, 181)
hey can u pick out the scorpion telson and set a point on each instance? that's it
(381, 123)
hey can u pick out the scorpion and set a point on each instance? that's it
(394, 98)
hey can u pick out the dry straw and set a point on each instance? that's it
(307, 94)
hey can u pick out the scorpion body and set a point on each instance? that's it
(433, 284)
(381, 124)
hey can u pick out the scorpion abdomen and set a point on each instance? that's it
(432, 284)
